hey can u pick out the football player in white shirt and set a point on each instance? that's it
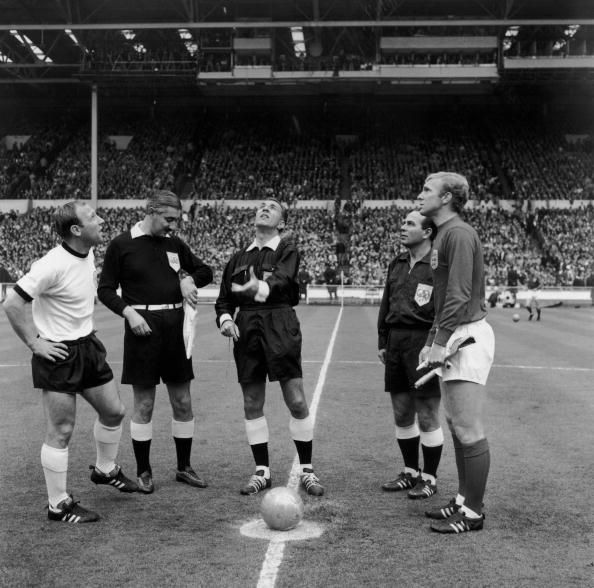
(68, 358)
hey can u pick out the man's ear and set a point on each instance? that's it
(75, 230)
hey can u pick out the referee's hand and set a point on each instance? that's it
(229, 329)
(137, 324)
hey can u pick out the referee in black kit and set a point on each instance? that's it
(405, 317)
(156, 272)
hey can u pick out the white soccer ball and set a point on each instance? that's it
(281, 509)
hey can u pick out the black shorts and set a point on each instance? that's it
(402, 359)
(269, 345)
(84, 368)
(160, 355)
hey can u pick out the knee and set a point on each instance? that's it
(298, 408)
(182, 407)
(59, 434)
(115, 416)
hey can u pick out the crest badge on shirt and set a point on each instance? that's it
(434, 261)
(173, 259)
(423, 294)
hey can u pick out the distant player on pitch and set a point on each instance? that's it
(460, 311)
(68, 358)
(261, 280)
(405, 316)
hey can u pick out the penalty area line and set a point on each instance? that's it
(275, 551)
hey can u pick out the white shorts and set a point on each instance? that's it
(473, 362)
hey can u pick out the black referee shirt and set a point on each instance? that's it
(147, 269)
(407, 301)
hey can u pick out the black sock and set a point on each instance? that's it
(477, 460)
(260, 453)
(183, 449)
(431, 458)
(410, 452)
(142, 451)
(460, 466)
(304, 450)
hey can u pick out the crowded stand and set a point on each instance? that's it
(559, 254)
(210, 162)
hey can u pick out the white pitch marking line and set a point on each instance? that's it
(274, 553)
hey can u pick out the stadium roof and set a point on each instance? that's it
(46, 42)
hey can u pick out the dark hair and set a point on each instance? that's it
(161, 198)
(456, 184)
(427, 223)
(65, 216)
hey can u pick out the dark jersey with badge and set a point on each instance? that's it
(459, 277)
(278, 268)
(147, 269)
(407, 301)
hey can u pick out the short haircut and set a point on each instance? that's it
(427, 223)
(65, 216)
(283, 205)
(456, 185)
(161, 198)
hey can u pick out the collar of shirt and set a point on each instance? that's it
(272, 244)
(136, 231)
(405, 256)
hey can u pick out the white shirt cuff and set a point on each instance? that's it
(225, 317)
(263, 291)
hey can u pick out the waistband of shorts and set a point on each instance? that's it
(425, 328)
(264, 306)
(173, 306)
(78, 341)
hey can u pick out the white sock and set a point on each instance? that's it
(459, 499)
(469, 513)
(182, 429)
(141, 431)
(256, 430)
(428, 478)
(55, 468)
(305, 466)
(107, 441)
(264, 469)
(301, 429)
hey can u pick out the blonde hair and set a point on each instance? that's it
(454, 183)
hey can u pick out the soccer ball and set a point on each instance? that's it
(282, 509)
(516, 317)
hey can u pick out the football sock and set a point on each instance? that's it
(142, 434)
(257, 435)
(107, 440)
(408, 440)
(460, 464)
(467, 512)
(264, 469)
(183, 434)
(459, 499)
(477, 461)
(55, 469)
(302, 434)
(431, 446)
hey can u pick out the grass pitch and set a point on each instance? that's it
(538, 530)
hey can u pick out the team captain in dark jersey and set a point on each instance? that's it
(155, 271)
(261, 280)
(460, 311)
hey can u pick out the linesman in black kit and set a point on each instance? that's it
(261, 280)
(405, 318)
(156, 272)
